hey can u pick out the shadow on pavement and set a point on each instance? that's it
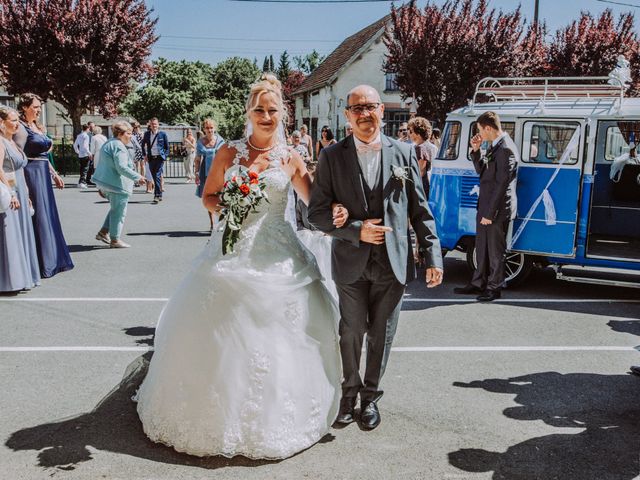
(148, 332)
(625, 326)
(87, 248)
(603, 409)
(113, 425)
(541, 285)
(174, 234)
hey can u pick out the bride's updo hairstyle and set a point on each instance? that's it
(267, 83)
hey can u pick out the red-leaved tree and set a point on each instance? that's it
(441, 52)
(589, 47)
(84, 54)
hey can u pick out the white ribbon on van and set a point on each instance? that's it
(545, 196)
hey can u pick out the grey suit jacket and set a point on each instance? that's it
(338, 179)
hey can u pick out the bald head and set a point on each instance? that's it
(364, 111)
(364, 90)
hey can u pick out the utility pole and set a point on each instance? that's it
(536, 6)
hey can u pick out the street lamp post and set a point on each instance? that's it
(536, 6)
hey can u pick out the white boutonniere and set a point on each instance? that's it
(486, 158)
(400, 173)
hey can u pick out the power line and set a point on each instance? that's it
(616, 3)
(193, 37)
(222, 50)
(313, 1)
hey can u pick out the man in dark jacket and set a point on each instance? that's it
(155, 148)
(496, 206)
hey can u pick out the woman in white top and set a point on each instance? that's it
(189, 144)
(96, 143)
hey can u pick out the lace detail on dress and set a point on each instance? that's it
(242, 150)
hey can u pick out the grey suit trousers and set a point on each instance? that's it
(370, 305)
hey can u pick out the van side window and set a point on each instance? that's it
(620, 136)
(545, 142)
(509, 127)
(450, 142)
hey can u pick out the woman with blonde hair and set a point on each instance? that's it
(115, 177)
(246, 357)
(206, 149)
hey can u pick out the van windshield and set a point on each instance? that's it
(450, 141)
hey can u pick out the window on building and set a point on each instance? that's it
(8, 101)
(391, 84)
(305, 100)
(392, 120)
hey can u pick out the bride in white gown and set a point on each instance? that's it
(246, 357)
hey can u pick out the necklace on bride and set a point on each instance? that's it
(266, 149)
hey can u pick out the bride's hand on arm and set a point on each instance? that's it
(215, 179)
(340, 214)
(295, 167)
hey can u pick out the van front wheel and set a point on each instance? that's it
(517, 268)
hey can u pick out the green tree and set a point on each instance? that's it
(172, 93)
(309, 62)
(188, 92)
(284, 67)
(232, 79)
(228, 115)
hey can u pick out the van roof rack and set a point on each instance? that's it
(549, 88)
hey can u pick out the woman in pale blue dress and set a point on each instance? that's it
(206, 148)
(18, 256)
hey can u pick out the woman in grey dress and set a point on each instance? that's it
(19, 268)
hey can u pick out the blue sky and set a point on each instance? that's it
(212, 30)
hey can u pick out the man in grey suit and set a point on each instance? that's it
(377, 180)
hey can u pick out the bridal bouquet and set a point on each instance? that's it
(240, 195)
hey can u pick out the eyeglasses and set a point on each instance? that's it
(359, 109)
(402, 130)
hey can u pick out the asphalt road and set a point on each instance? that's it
(535, 386)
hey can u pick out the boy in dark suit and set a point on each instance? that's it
(496, 206)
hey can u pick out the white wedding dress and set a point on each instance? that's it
(246, 357)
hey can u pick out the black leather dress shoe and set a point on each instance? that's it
(369, 415)
(467, 289)
(635, 369)
(346, 413)
(488, 296)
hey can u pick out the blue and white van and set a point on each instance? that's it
(578, 184)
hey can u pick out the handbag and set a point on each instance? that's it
(5, 197)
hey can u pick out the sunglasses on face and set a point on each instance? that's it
(360, 108)
(402, 130)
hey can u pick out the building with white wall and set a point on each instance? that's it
(321, 98)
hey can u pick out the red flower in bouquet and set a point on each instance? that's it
(239, 196)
